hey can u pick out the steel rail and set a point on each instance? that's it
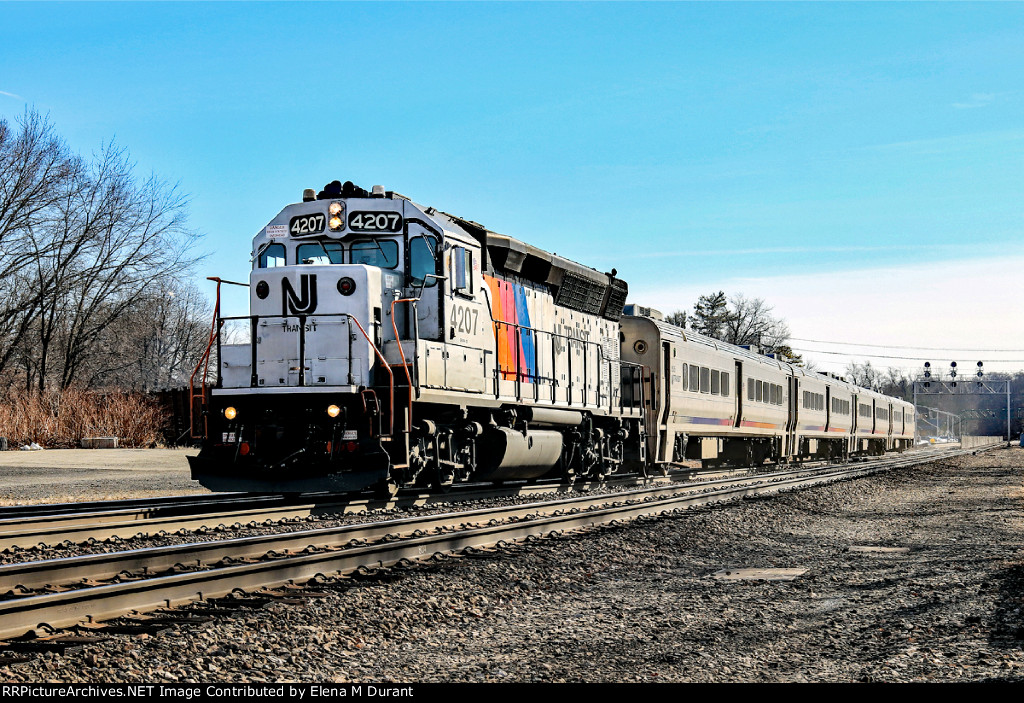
(28, 524)
(93, 567)
(78, 528)
(98, 603)
(45, 509)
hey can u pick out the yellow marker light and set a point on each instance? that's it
(335, 223)
(335, 208)
(333, 410)
(230, 413)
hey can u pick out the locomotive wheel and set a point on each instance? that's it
(386, 489)
(443, 481)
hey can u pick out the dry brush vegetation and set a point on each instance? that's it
(56, 419)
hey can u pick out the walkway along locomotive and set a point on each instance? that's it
(391, 344)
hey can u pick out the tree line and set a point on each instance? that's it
(95, 268)
(738, 320)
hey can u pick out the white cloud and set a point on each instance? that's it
(976, 100)
(12, 95)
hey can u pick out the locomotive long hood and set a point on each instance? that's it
(575, 286)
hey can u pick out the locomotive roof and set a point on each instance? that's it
(574, 286)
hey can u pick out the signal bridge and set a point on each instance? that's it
(929, 384)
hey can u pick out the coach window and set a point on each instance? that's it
(725, 384)
(377, 252)
(685, 377)
(716, 382)
(272, 256)
(760, 391)
(422, 262)
(750, 389)
(705, 380)
(694, 378)
(319, 253)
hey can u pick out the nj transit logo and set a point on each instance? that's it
(303, 302)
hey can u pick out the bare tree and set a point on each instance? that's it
(140, 242)
(751, 322)
(898, 383)
(864, 375)
(894, 381)
(36, 168)
(159, 340)
(86, 247)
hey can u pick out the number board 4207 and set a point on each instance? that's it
(375, 221)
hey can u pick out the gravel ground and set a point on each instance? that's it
(640, 602)
(64, 475)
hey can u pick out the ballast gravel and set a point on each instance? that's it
(642, 603)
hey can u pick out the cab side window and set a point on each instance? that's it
(462, 270)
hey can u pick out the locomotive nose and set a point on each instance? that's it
(315, 325)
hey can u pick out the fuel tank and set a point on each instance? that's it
(504, 454)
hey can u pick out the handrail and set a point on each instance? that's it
(204, 361)
(401, 352)
(519, 375)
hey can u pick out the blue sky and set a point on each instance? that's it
(804, 153)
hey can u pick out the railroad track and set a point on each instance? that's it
(97, 522)
(25, 527)
(43, 596)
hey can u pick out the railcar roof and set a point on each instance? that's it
(742, 353)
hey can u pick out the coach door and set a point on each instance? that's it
(739, 394)
(666, 439)
(424, 270)
(794, 394)
(468, 328)
(828, 408)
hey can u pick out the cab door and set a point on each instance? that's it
(468, 322)
(424, 273)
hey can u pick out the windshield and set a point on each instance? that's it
(383, 253)
(320, 253)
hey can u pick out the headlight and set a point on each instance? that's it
(230, 413)
(333, 410)
(337, 213)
